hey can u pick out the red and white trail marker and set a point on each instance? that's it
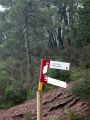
(45, 65)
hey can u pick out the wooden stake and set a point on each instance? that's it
(39, 105)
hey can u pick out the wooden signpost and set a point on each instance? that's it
(45, 65)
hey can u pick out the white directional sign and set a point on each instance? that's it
(59, 65)
(56, 82)
(45, 65)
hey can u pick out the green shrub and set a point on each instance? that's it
(31, 94)
(15, 93)
(28, 116)
(47, 87)
(3, 74)
(5, 105)
(75, 74)
(84, 57)
(71, 115)
(58, 74)
(82, 89)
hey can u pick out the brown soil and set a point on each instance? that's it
(55, 102)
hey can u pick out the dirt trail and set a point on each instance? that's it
(54, 104)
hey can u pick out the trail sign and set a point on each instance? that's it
(45, 65)
(55, 82)
(59, 65)
(56, 65)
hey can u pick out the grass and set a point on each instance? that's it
(6, 105)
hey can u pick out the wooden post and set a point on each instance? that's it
(39, 105)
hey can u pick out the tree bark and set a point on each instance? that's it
(30, 72)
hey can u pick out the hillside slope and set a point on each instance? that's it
(54, 104)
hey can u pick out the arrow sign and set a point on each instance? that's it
(59, 65)
(55, 82)
(45, 65)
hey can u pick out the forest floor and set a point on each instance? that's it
(55, 103)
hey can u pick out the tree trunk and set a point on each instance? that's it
(30, 72)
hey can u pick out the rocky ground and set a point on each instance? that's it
(55, 102)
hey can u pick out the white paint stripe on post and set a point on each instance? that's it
(59, 65)
(56, 82)
(45, 69)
